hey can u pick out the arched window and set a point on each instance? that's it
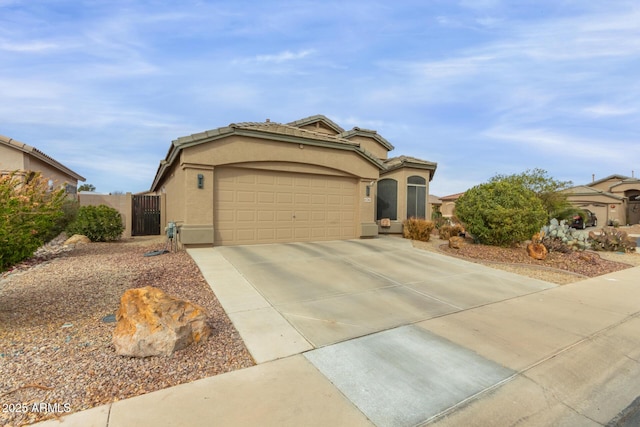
(416, 197)
(387, 199)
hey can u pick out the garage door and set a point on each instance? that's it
(255, 206)
(601, 212)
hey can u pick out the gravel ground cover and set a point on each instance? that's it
(557, 268)
(55, 348)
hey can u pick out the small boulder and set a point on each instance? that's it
(77, 239)
(152, 323)
(537, 251)
(456, 242)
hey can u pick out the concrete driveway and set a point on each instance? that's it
(330, 292)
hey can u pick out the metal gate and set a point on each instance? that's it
(145, 216)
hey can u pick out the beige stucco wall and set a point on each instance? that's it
(371, 145)
(49, 172)
(119, 202)
(11, 159)
(238, 149)
(619, 189)
(401, 175)
(193, 208)
(605, 185)
(174, 185)
(447, 208)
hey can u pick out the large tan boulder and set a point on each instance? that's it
(152, 323)
(456, 242)
(77, 239)
(537, 251)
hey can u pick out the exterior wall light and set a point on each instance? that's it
(200, 181)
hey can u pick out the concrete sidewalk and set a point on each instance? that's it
(565, 355)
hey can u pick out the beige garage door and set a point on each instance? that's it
(255, 206)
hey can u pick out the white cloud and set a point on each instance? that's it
(608, 110)
(581, 148)
(284, 56)
(31, 46)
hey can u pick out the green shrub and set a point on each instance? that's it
(69, 211)
(99, 223)
(28, 213)
(501, 212)
(448, 231)
(417, 229)
(612, 240)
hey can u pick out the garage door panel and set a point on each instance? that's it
(284, 216)
(247, 179)
(265, 179)
(284, 180)
(226, 196)
(246, 216)
(246, 235)
(284, 198)
(266, 216)
(262, 206)
(266, 197)
(318, 199)
(246, 196)
(334, 199)
(266, 234)
(284, 234)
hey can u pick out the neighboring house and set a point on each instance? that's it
(614, 198)
(307, 180)
(20, 157)
(449, 204)
(435, 205)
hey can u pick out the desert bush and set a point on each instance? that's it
(28, 213)
(99, 223)
(559, 237)
(546, 188)
(612, 240)
(417, 229)
(501, 212)
(447, 231)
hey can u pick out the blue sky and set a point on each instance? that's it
(478, 86)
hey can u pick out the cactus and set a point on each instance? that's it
(612, 239)
(559, 237)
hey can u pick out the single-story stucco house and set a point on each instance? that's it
(265, 182)
(615, 198)
(16, 156)
(448, 207)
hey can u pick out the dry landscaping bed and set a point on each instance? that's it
(556, 268)
(56, 349)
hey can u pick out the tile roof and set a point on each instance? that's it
(39, 155)
(317, 118)
(585, 190)
(369, 133)
(399, 161)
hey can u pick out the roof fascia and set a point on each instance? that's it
(32, 151)
(317, 118)
(369, 134)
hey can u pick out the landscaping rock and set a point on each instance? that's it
(456, 242)
(77, 239)
(537, 251)
(152, 323)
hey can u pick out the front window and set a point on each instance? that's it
(387, 199)
(416, 197)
